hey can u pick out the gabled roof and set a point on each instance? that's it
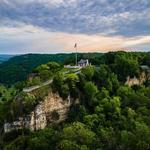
(82, 61)
(145, 67)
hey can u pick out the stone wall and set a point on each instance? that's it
(52, 109)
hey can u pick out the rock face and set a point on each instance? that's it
(138, 81)
(52, 109)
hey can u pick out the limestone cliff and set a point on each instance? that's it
(144, 76)
(52, 109)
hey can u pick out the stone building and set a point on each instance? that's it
(83, 63)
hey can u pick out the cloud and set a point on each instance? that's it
(50, 26)
(127, 18)
(137, 41)
(30, 39)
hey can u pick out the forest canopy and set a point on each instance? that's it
(110, 114)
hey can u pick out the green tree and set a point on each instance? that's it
(88, 72)
(126, 66)
(77, 134)
(72, 80)
(42, 140)
(53, 66)
(68, 145)
(90, 90)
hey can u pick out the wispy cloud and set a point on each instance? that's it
(27, 39)
(126, 17)
(97, 24)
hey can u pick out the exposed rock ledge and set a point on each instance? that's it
(52, 109)
(138, 81)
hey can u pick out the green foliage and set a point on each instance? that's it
(72, 80)
(68, 145)
(94, 58)
(45, 71)
(6, 97)
(126, 67)
(41, 140)
(60, 85)
(53, 66)
(109, 115)
(76, 134)
(19, 67)
(6, 94)
(35, 81)
(90, 92)
(88, 72)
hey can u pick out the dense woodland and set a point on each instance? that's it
(5, 57)
(110, 115)
(19, 67)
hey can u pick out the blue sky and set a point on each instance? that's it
(53, 26)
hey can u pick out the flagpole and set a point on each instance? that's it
(76, 57)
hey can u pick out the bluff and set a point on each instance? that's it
(53, 109)
(144, 76)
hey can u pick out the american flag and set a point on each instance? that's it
(75, 46)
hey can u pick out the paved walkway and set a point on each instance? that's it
(32, 88)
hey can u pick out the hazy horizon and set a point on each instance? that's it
(69, 52)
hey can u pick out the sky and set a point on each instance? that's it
(54, 26)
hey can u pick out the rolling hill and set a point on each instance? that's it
(17, 68)
(4, 57)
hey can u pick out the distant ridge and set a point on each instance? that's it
(19, 67)
(5, 57)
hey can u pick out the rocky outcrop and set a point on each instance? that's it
(138, 81)
(52, 109)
